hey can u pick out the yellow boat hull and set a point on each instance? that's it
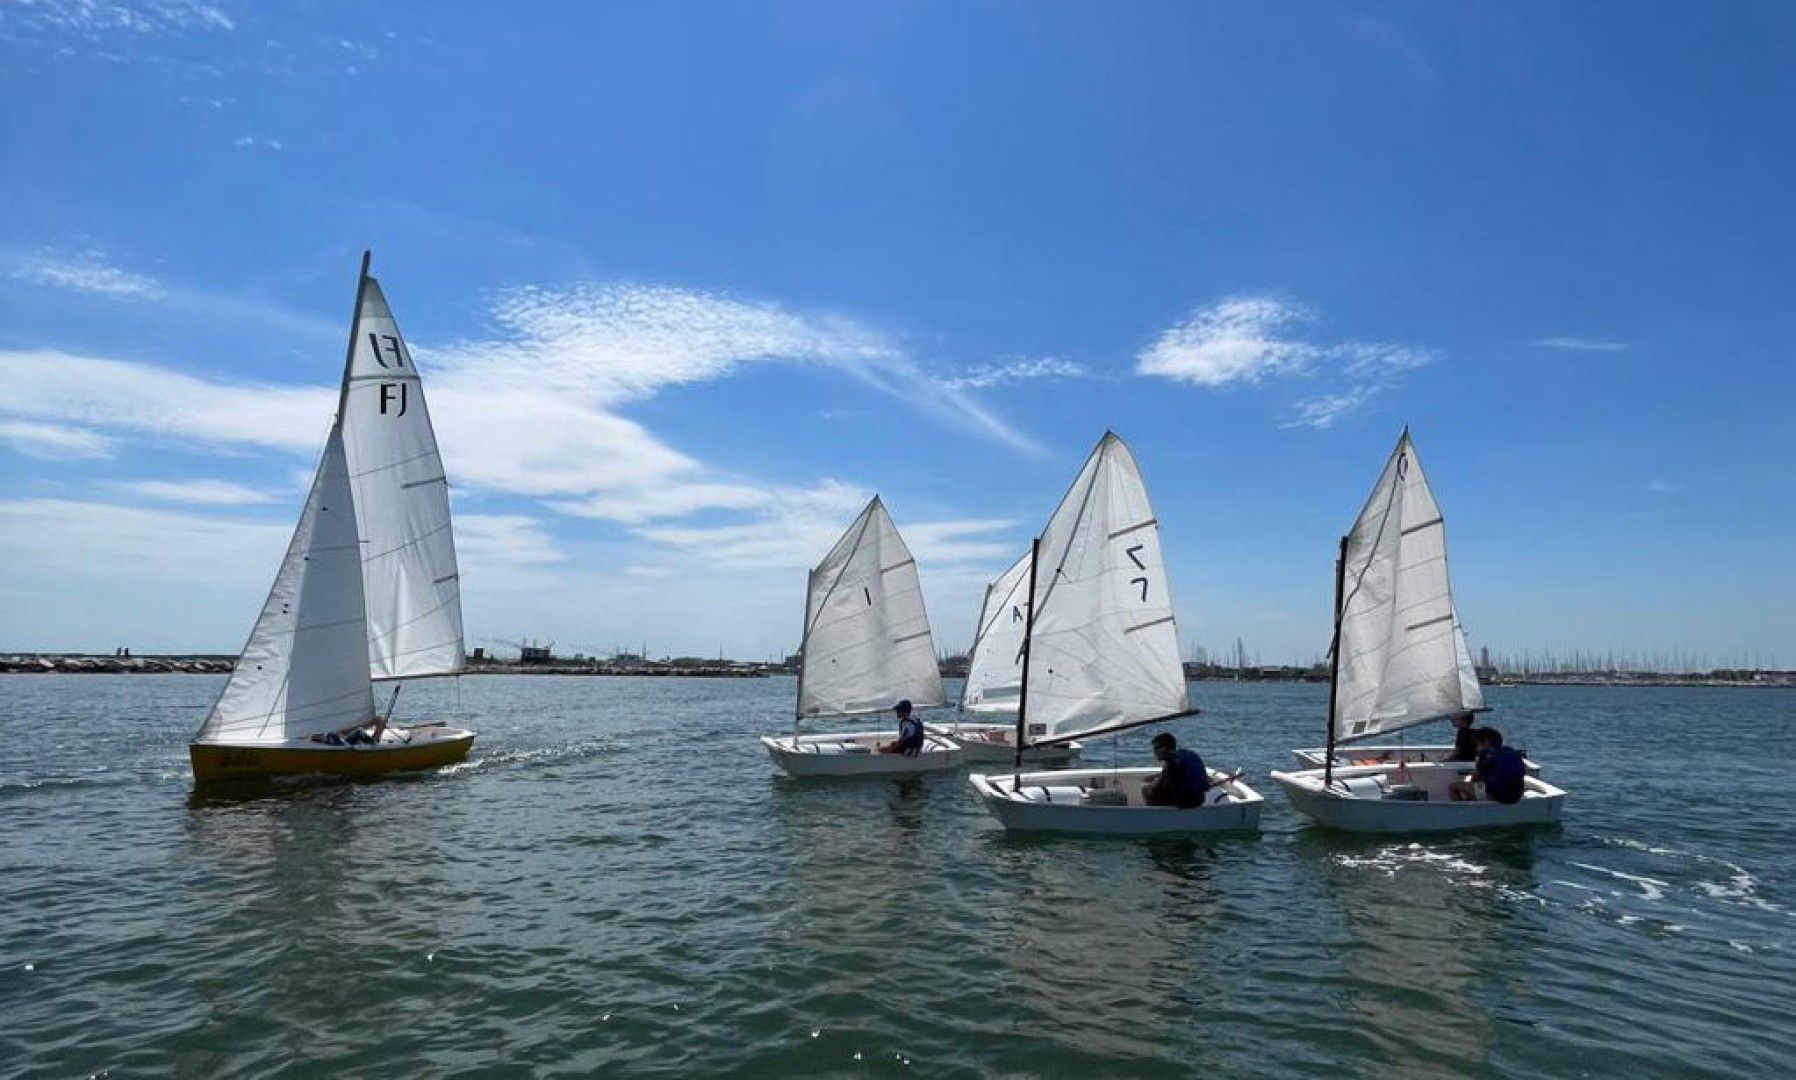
(213, 762)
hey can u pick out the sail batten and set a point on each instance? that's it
(1402, 658)
(1103, 645)
(867, 643)
(402, 503)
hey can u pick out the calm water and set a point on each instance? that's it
(617, 882)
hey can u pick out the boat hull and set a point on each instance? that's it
(995, 744)
(857, 754)
(1354, 803)
(430, 748)
(1062, 801)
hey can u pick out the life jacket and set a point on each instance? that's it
(1507, 766)
(1192, 779)
(910, 735)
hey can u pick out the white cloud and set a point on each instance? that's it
(1661, 487)
(249, 142)
(987, 375)
(1244, 340)
(150, 400)
(82, 271)
(1578, 344)
(200, 492)
(1239, 339)
(143, 17)
(70, 539)
(54, 442)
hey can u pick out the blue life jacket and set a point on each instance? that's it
(910, 735)
(1189, 780)
(1506, 767)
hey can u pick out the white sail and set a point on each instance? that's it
(1104, 647)
(995, 668)
(402, 503)
(304, 670)
(1402, 657)
(866, 635)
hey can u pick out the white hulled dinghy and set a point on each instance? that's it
(368, 591)
(1399, 658)
(1101, 656)
(866, 647)
(994, 679)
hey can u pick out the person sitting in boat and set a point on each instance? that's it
(1501, 769)
(910, 732)
(1183, 781)
(1465, 738)
(354, 734)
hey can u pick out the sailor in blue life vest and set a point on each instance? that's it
(1183, 781)
(1501, 769)
(910, 732)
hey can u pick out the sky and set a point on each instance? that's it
(689, 283)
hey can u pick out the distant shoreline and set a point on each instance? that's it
(215, 664)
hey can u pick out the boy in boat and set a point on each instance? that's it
(1465, 738)
(1501, 769)
(910, 732)
(1183, 781)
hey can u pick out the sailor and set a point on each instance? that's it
(1465, 738)
(1501, 769)
(910, 732)
(1183, 781)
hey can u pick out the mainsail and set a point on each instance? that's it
(304, 670)
(401, 501)
(1401, 659)
(995, 669)
(1103, 644)
(866, 635)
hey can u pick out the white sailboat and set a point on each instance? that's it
(994, 679)
(368, 591)
(866, 647)
(1101, 655)
(1400, 659)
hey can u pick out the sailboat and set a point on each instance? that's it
(866, 647)
(1101, 655)
(368, 591)
(994, 679)
(1399, 659)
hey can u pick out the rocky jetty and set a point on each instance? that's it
(77, 664)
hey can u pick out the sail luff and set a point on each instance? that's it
(304, 668)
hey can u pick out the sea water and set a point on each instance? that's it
(619, 882)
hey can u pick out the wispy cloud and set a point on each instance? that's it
(54, 442)
(251, 142)
(1579, 344)
(1245, 340)
(1662, 487)
(199, 492)
(138, 17)
(87, 271)
(983, 376)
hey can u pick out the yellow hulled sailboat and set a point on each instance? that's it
(368, 591)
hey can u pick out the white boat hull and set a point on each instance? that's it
(857, 754)
(1073, 801)
(1356, 801)
(995, 744)
(1347, 756)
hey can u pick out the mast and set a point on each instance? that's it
(1334, 668)
(1022, 701)
(355, 321)
(804, 656)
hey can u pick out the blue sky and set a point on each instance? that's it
(688, 283)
